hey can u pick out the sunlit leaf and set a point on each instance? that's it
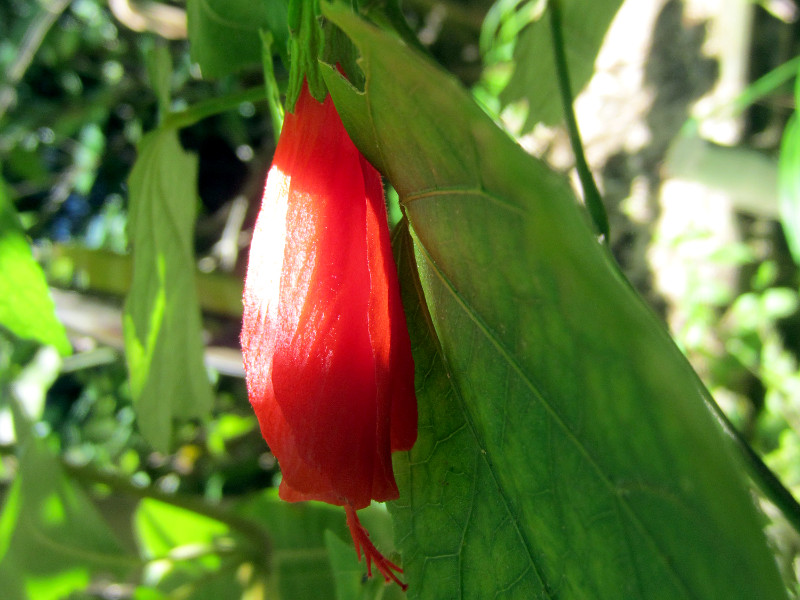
(26, 308)
(533, 78)
(162, 527)
(145, 593)
(565, 449)
(187, 551)
(224, 33)
(53, 537)
(163, 342)
(789, 185)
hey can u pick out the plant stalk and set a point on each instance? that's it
(591, 194)
(246, 527)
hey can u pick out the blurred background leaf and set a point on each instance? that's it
(518, 45)
(789, 180)
(52, 540)
(162, 316)
(26, 308)
(224, 33)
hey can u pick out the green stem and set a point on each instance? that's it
(202, 110)
(761, 88)
(86, 474)
(270, 84)
(590, 192)
(248, 528)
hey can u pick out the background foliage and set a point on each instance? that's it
(564, 445)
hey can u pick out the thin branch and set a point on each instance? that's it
(591, 194)
(206, 108)
(246, 527)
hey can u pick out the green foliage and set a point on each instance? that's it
(26, 308)
(225, 33)
(297, 553)
(742, 335)
(305, 47)
(564, 449)
(162, 317)
(789, 180)
(186, 551)
(533, 75)
(52, 539)
(575, 429)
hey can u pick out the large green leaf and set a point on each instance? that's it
(565, 449)
(52, 539)
(447, 481)
(163, 342)
(224, 33)
(26, 308)
(533, 79)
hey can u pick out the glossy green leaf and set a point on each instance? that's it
(52, 539)
(224, 33)
(565, 449)
(533, 80)
(26, 308)
(163, 341)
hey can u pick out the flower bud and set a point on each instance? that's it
(326, 349)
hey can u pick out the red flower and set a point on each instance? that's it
(326, 349)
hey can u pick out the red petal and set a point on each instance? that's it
(327, 356)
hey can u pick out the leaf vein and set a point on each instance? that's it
(464, 191)
(494, 340)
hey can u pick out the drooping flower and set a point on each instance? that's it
(326, 350)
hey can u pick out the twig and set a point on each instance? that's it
(591, 194)
(246, 527)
